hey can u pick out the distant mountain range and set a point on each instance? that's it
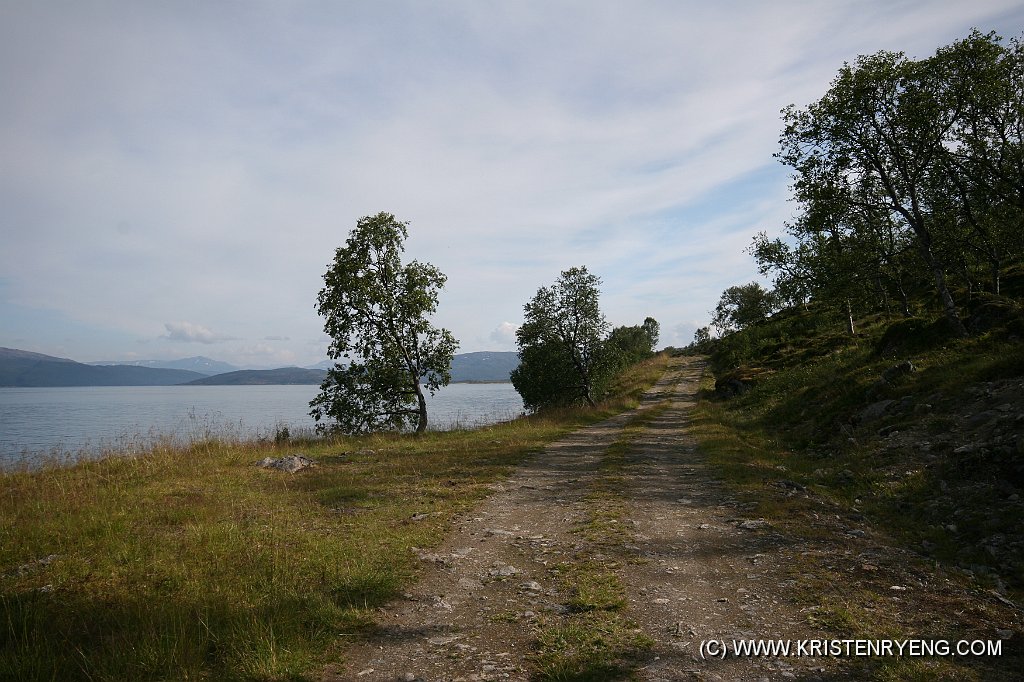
(199, 364)
(484, 366)
(28, 369)
(23, 368)
(253, 377)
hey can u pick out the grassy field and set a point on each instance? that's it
(186, 564)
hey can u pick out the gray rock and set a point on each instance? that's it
(878, 388)
(896, 371)
(875, 411)
(502, 570)
(981, 418)
(289, 464)
(752, 524)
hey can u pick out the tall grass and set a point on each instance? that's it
(188, 562)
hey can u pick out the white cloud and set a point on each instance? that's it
(204, 162)
(504, 335)
(681, 334)
(189, 332)
(265, 355)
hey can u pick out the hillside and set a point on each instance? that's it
(199, 363)
(257, 377)
(27, 369)
(20, 368)
(486, 366)
(466, 367)
(907, 428)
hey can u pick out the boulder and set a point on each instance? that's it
(896, 371)
(875, 411)
(731, 387)
(289, 464)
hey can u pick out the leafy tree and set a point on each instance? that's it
(376, 312)
(874, 143)
(981, 186)
(561, 343)
(741, 306)
(906, 171)
(652, 329)
(702, 336)
(629, 345)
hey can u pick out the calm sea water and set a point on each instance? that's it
(44, 421)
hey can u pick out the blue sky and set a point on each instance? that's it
(174, 177)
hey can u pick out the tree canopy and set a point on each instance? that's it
(629, 345)
(376, 311)
(908, 173)
(561, 343)
(567, 355)
(741, 306)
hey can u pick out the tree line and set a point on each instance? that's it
(389, 355)
(909, 177)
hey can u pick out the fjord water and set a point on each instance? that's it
(36, 422)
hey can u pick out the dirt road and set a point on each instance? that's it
(622, 511)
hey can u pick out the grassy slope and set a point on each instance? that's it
(194, 564)
(937, 474)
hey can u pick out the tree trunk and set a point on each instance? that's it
(884, 294)
(924, 241)
(849, 319)
(948, 306)
(421, 424)
(904, 299)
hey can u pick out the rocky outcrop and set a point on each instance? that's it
(289, 464)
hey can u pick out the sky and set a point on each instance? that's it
(175, 176)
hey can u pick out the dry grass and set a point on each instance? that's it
(191, 563)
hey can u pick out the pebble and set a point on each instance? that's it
(503, 570)
(752, 524)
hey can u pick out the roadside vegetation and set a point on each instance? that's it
(905, 434)
(569, 353)
(874, 396)
(192, 563)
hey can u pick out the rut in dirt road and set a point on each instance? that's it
(612, 551)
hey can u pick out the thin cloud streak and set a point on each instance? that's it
(203, 162)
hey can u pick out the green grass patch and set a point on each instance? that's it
(593, 647)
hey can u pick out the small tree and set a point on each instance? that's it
(376, 311)
(702, 337)
(742, 306)
(652, 329)
(561, 343)
(629, 345)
